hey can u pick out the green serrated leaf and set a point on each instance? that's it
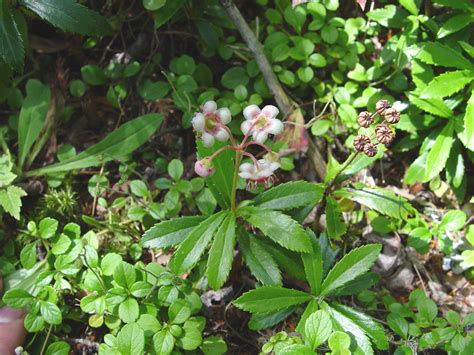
(11, 44)
(191, 249)
(290, 195)
(69, 16)
(334, 221)
(454, 24)
(383, 201)
(10, 200)
(353, 264)
(270, 298)
(313, 265)
(469, 122)
(435, 106)
(259, 259)
(448, 83)
(266, 320)
(347, 325)
(170, 233)
(279, 227)
(221, 253)
(439, 153)
(220, 183)
(439, 54)
(120, 142)
(371, 328)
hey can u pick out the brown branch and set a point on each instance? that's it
(285, 104)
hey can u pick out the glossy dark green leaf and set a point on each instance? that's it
(258, 259)
(169, 233)
(270, 298)
(191, 249)
(69, 16)
(221, 254)
(266, 320)
(11, 44)
(290, 195)
(279, 227)
(335, 225)
(353, 264)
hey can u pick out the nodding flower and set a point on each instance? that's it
(204, 167)
(260, 172)
(261, 123)
(210, 123)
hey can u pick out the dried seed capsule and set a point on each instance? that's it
(381, 106)
(370, 150)
(384, 133)
(365, 119)
(360, 142)
(392, 115)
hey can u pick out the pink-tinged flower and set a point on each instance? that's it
(261, 123)
(210, 123)
(259, 173)
(204, 167)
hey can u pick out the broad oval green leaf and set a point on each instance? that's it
(131, 339)
(318, 328)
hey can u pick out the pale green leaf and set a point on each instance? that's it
(469, 122)
(32, 117)
(435, 106)
(454, 24)
(131, 340)
(318, 328)
(10, 200)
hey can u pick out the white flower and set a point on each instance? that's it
(204, 167)
(210, 123)
(260, 172)
(261, 123)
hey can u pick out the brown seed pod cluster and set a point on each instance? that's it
(383, 132)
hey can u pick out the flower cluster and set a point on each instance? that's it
(383, 131)
(211, 125)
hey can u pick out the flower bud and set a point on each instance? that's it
(392, 116)
(365, 119)
(381, 106)
(360, 142)
(384, 133)
(370, 150)
(204, 167)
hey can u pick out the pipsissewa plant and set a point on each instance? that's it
(269, 211)
(222, 165)
(322, 316)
